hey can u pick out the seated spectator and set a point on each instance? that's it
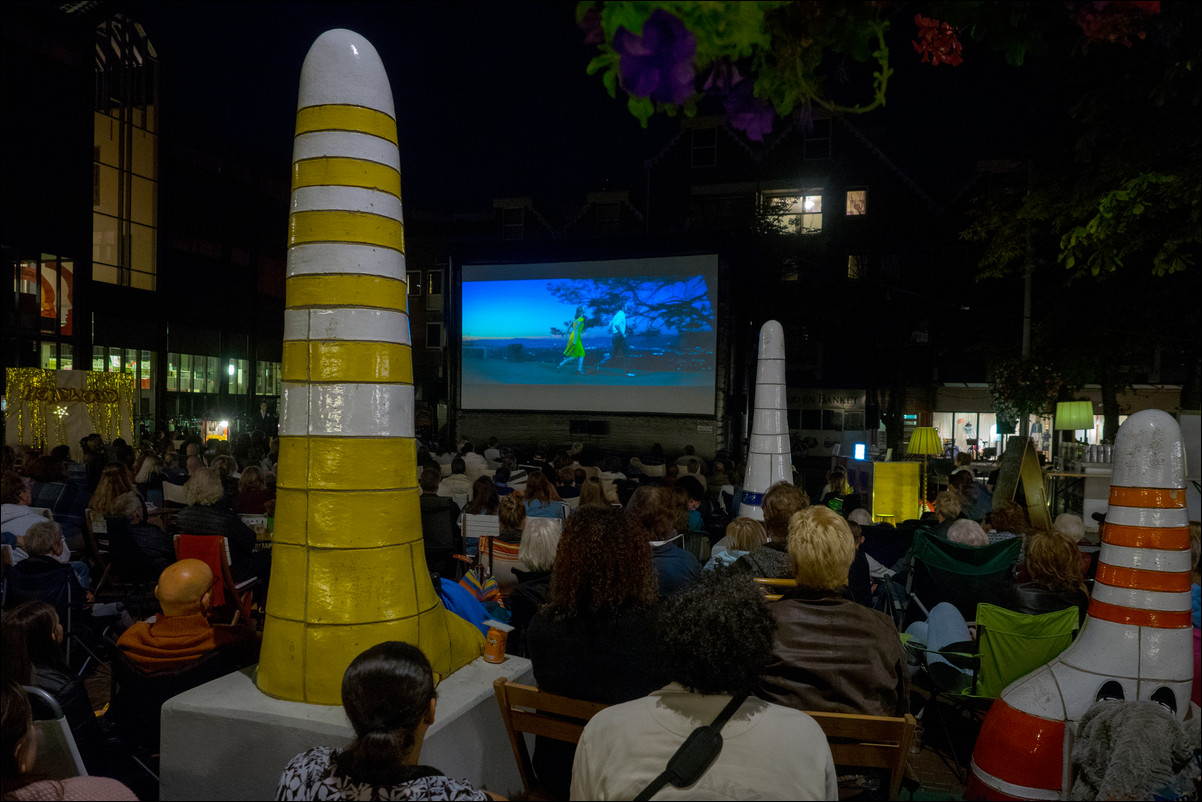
(692, 469)
(512, 514)
(771, 560)
(18, 741)
(457, 484)
(388, 694)
(542, 500)
(947, 509)
(150, 477)
(156, 544)
(181, 634)
(976, 500)
(859, 576)
(227, 466)
(596, 637)
(253, 497)
(567, 487)
(838, 494)
(501, 481)
(33, 655)
(611, 474)
(54, 490)
(967, 532)
(493, 451)
(1008, 519)
(45, 552)
(742, 536)
(690, 453)
(714, 637)
(114, 483)
(831, 654)
(694, 496)
(474, 465)
(16, 518)
(592, 494)
(652, 513)
(1054, 577)
(540, 542)
(208, 513)
(483, 498)
(441, 535)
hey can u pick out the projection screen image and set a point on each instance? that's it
(623, 335)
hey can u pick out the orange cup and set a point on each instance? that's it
(494, 646)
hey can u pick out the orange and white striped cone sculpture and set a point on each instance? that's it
(348, 567)
(1137, 639)
(768, 457)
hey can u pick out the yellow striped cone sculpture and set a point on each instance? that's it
(348, 569)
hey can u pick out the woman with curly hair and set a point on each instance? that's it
(542, 500)
(715, 637)
(596, 637)
(1055, 581)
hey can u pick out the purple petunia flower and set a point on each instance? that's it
(747, 113)
(658, 64)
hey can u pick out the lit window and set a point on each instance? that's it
(801, 214)
(857, 202)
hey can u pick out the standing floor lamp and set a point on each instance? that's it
(1073, 415)
(925, 440)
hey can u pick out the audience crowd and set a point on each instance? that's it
(634, 581)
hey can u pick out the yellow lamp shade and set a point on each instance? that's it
(925, 440)
(1072, 415)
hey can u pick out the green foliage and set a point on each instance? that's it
(1022, 387)
(651, 304)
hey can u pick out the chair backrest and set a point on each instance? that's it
(772, 587)
(653, 470)
(214, 551)
(174, 494)
(1012, 645)
(478, 526)
(526, 709)
(45, 512)
(6, 554)
(698, 544)
(52, 587)
(873, 741)
(97, 524)
(965, 576)
(58, 756)
(126, 555)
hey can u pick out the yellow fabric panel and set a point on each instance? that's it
(427, 596)
(331, 649)
(346, 289)
(344, 172)
(344, 117)
(359, 586)
(354, 361)
(359, 520)
(288, 572)
(282, 659)
(362, 228)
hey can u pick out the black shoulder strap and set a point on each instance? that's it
(695, 755)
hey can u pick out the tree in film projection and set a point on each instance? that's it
(652, 304)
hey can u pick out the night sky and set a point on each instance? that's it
(493, 100)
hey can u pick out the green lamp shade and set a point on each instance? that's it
(925, 440)
(1073, 415)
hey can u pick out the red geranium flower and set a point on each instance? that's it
(937, 42)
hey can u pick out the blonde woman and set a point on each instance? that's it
(743, 535)
(208, 513)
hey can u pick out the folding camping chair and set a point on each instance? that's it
(965, 576)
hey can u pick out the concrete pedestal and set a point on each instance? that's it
(228, 740)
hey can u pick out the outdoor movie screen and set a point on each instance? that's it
(622, 335)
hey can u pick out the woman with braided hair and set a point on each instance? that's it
(388, 694)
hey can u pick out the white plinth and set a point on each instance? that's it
(228, 740)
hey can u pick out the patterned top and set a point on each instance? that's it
(310, 775)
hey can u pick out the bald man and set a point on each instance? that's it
(182, 634)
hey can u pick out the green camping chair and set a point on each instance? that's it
(942, 571)
(1008, 647)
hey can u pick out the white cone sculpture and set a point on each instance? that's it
(348, 568)
(768, 457)
(1136, 643)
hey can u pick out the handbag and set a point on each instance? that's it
(695, 756)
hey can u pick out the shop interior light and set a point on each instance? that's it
(925, 440)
